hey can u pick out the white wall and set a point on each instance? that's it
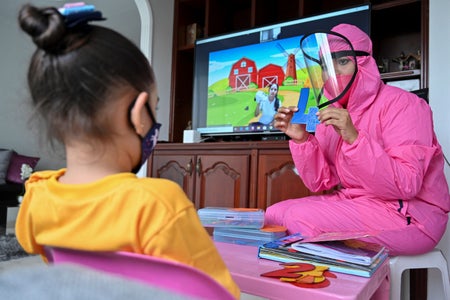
(162, 58)
(439, 72)
(439, 83)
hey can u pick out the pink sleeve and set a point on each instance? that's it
(394, 165)
(313, 169)
(393, 173)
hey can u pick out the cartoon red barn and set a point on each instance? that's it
(270, 74)
(243, 72)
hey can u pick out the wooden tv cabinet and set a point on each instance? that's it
(230, 174)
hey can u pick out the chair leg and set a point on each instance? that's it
(443, 267)
(396, 281)
(446, 283)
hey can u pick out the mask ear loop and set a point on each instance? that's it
(351, 52)
(149, 110)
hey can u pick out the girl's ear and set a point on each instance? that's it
(139, 115)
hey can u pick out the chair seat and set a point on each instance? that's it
(432, 259)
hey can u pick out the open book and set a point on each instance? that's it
(350, 255)
(352, 250)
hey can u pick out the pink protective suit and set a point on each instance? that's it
(391, 180)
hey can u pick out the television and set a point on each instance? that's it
(231, 69)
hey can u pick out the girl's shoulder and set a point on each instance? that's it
(162, 187)
(45, 175)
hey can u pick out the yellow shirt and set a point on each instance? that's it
(118, 213)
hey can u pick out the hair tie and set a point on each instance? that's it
(79, 13)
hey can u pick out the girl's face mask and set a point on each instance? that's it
(148, 142)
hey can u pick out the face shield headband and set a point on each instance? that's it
(331, 63)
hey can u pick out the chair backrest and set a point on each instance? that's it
(155, 271)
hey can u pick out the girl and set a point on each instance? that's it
(95, 92)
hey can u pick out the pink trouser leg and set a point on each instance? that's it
(328, 213)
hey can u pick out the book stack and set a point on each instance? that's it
(244, 226)
(349, 256)
(249, 236)
(231, 217)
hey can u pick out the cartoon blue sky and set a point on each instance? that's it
(220, 62)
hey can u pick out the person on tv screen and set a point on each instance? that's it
(266, 105)
(95, 93)
(375, 152)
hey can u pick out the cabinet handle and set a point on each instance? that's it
(198, 166)
(189, 167)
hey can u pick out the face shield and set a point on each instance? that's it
(331, 63)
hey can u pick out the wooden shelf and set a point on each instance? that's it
(407, 74)
(187, 47)
(389, 4)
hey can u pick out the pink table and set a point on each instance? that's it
(246, 267)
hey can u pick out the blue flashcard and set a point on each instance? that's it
(309, 118)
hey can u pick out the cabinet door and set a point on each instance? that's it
(178, 168)
(277, 179)
(222, 180)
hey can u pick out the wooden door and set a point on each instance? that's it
(222, 180)
(277, 179)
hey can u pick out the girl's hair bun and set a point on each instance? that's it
(45, 26)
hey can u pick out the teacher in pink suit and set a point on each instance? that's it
(375, 147)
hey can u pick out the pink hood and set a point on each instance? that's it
(367, 81)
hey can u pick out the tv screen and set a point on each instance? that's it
(235, 74)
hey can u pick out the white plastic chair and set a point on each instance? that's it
(432, 259)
